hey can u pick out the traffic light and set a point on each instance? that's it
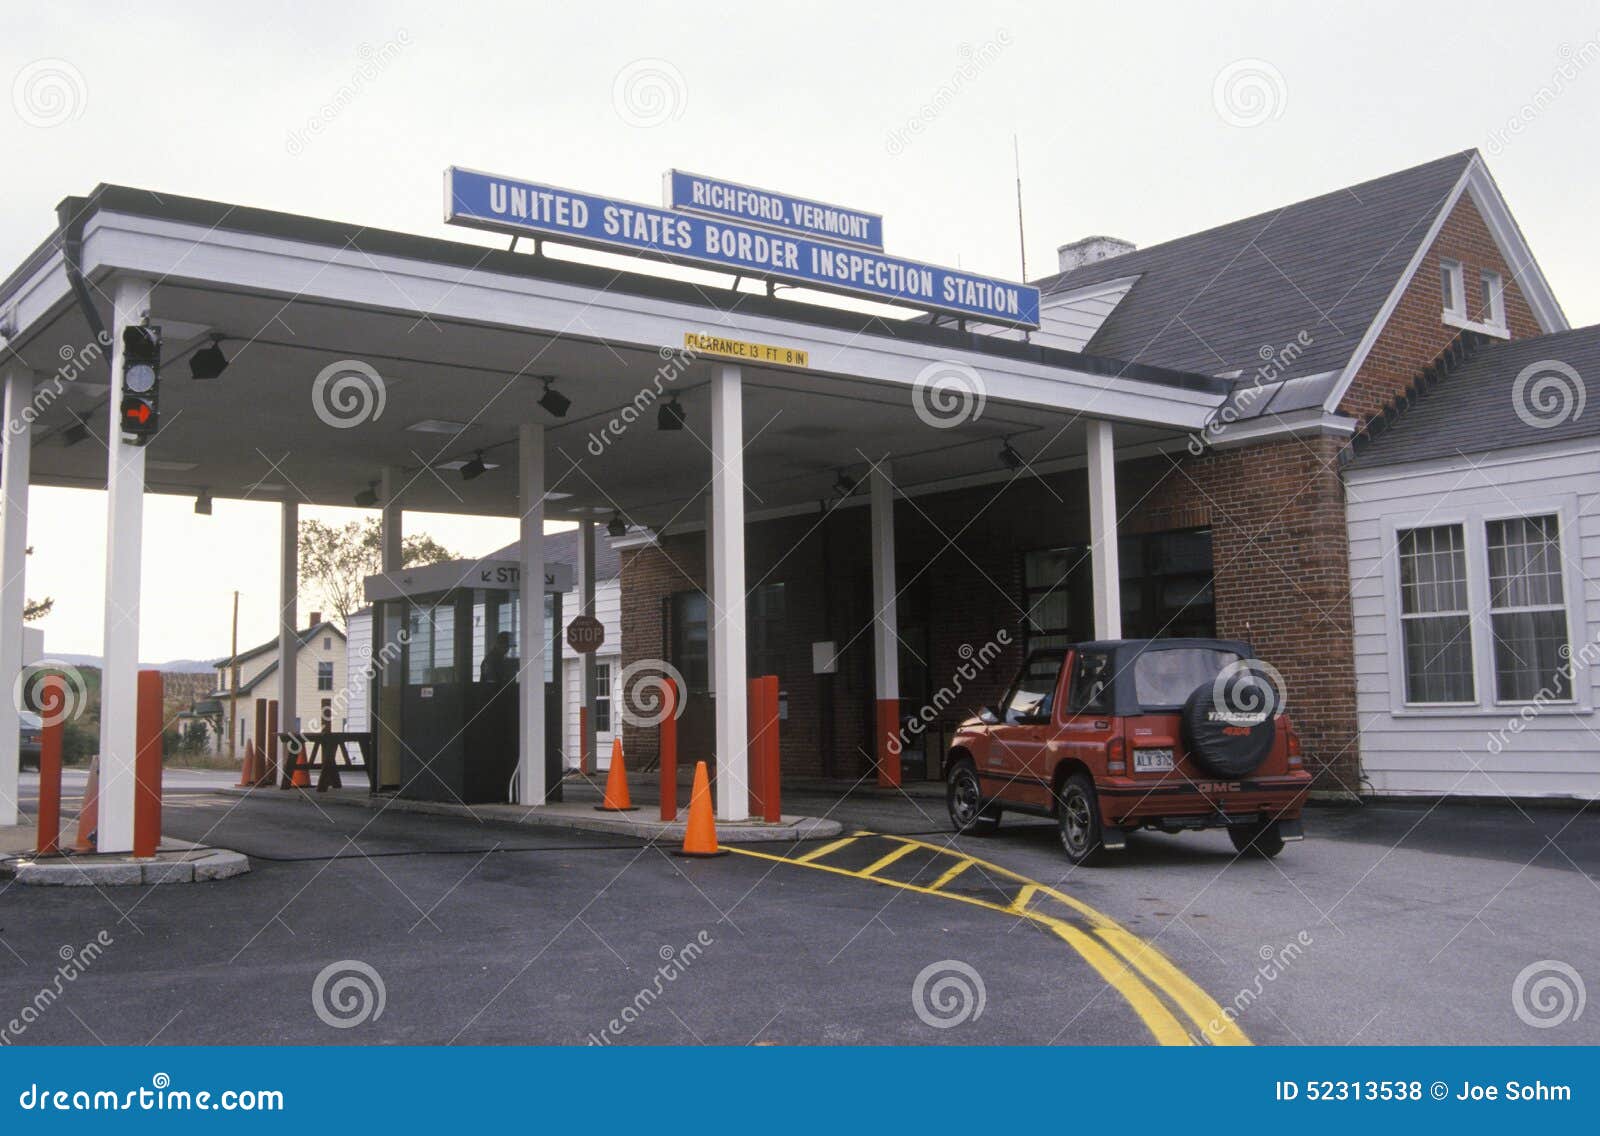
(141, 379)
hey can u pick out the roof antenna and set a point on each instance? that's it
(1022, 246)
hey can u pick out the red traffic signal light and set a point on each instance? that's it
(141, 372)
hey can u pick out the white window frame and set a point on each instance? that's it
(1451, 271)
(1474, 519)
(1398, 638)
(1493, 288)
(604, 690)
(1564, 529)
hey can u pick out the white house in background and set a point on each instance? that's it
(321, 691)
(559, 548)
(1474, 523)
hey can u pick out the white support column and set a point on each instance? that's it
(119, 693)
(392, 520)
(727, 611)
(587, 743)
(531, 647)
(1103, 531)
(712, 592)
(885, 623)
(13, 577)
(288, 616)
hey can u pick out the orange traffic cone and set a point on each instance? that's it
(89, 810)
(295, 755)
(700, 834)
(249, 774)
(616, 799)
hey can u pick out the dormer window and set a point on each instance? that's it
(1493, 299)
(1450, 283)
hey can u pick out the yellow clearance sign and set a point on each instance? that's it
(704, 344)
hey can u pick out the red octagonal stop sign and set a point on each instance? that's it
(585, 634)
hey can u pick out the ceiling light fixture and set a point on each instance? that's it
(474, 468)
(1009, 456)
(368, 497)
(556, 403)
(617, 527)
(202, 503)
(208, 362)
(844, 485)
(670, 416)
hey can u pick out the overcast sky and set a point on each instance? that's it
(1144, 121)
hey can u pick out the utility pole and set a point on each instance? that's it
(233, 685)
(1022, 245)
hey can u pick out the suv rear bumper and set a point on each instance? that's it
(1176, 804)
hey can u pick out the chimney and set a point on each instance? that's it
(1091, 250)
(316, 618)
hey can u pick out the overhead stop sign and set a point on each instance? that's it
(586, 634)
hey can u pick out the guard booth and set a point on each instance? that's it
(444, 706)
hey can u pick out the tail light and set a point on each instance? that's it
(1116, 756)
(1294, 745)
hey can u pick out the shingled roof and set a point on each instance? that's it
(1212, 301)
(1478, 407)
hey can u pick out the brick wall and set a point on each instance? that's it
(1415, 333)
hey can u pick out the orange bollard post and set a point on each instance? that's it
(279, 772)
(583, 743)
(755, 729)
(616, 798)
(89, 809)
(147, 766)
(771, 794)
(888, 743)
(265, 775)
(52, 709)
(669, 753)
(700, 834)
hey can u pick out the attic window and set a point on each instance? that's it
(1494, 299)
(1450, 282)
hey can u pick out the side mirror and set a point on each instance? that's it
(988, 716)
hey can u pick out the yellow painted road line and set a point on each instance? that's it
(1122, 978)
(1127, 960)
(879, 864)
(951, 874)
(819, 853)
(1199, 1006)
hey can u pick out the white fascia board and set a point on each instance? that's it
(1089, 291)
(1299, 423)
(1476, 181)
(1572, 448)
(165, 249)
(34, 301)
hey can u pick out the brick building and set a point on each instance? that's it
(1320, 314)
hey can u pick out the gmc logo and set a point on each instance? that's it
(1218, 786)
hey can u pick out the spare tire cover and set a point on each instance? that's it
(1229, 725)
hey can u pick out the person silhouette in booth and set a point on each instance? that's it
(497, 668)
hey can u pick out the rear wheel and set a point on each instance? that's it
(964, 797)
(1257, 839)
(1078, 812)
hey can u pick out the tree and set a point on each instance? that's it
(335, 559)
(36, 609)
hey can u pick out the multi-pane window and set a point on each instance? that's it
(1435, 622)
(1050, 579)
(690, 650)
(602, 698)
(765, 618)
(324, 676)
(1527, 609)
(1493, 299)
(1450, 283)
(1166, 589)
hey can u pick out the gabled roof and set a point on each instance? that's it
(304, 637)
(562, 548)
(1479, 407)
(1211, 302)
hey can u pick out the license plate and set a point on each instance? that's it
(1152, 760)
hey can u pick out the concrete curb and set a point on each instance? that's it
(577, 816)
(188, 864)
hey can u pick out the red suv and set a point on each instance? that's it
(1106, 737)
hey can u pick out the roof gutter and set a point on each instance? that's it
(71, 215)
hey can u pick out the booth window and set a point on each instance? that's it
(431, 650)
(689, 649)
(765, 623)
(1166, 589)
(1435, 622)
(602, 698)
(324, 676)
(1527, 609)
(1050, 579)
